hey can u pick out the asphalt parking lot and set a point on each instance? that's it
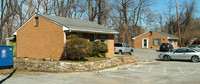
(149, 70)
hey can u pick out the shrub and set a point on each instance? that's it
(98, 49)
(77, 48)
(14, 48)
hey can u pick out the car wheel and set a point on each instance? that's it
(195, 59)
(166, 58)
(131, 52)
(120, 52)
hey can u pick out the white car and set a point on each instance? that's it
(123, 48)
(182, 54)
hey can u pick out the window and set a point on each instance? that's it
(163, 39)
(118, 45)
(156, 41)
(189, 50)
(92, 37)
(180, 51)
(150, 33)
(102, 37)
(126, 45)
(81, 35)
(36, 21)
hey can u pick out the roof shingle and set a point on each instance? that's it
(78, 25)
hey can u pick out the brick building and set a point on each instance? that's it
(43, 36)
(153, 39)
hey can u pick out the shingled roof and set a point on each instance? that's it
(77, 25)
(167, 35)
(161, 33)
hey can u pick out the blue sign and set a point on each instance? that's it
(6, 56)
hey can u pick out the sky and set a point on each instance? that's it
(160, 6)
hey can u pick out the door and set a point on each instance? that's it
(126, 48)
(179, 54)
(145, 43)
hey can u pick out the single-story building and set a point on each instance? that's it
(44, 36)
(153, 39)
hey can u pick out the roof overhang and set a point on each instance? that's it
(91, 31)
(15, 33)
(66, 28)
(72, 29)
(172, 38)
(10, 38)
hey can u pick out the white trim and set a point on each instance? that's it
(10, 38)
(143, 43)
(64, 37)
(140, 35)
(65, 28)
(15, 33)
(147, 32)
(81, 30)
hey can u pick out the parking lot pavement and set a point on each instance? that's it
(172, 72)
(146, 54)
(144, 72)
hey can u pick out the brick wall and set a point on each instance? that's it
(43, 41)
(138, 40)
(110, 45)
(46, 40)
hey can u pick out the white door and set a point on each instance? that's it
(145, 43)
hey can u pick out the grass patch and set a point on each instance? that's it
(90, 59)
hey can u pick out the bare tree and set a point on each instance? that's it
(186, 22)
(8, 9)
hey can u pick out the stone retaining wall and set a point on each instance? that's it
(68, 67)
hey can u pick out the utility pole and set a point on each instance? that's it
(178, 23)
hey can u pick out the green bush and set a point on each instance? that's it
(14, 48)
(99, 49)
(77, 48)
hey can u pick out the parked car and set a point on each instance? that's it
(195, 47)
(166, 47)
(182, 54)
(121, 48)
